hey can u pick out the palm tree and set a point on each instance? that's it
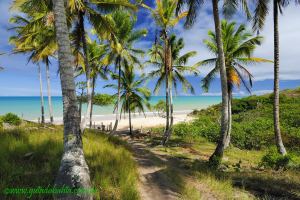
(239, 46)
(229, 7)
(82, 87)
(73, 171)
(41, 94)
(176, 73)
(35, 34)
(98, 68)
(123, 53)
(37, 40)
(93, 11)
(165, 17)
(134, 96)
(96, 54)
(261, 10)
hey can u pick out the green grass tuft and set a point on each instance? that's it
(30, 157)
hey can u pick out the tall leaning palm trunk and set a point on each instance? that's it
(73, 171)
(87, 70)
(228, 137)
(129, 116)
(167, 66)
(93, 94)
(118, 64)
(278, 138)
(218, 154)
(49, 92)
(41, 95)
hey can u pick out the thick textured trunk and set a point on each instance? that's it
(88, 73)
(80, 104)
(171, 115)
(73, 171)
(229, 119)
(118, 62)
(92, 105)
(278, 139)
(216, 157)
(49, 93)
(129, 113)
(167, 68)
(41, 95)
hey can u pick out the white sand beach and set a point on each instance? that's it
(138, 121)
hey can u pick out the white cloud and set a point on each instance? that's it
(261, 92)
(212, 94)
(289, 25)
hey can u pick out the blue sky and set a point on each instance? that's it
(21, 79)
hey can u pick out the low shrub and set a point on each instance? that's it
(12, 119)
(272, 159)
(252, 122)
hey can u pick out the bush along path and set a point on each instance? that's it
(180, 171)
(164, 176)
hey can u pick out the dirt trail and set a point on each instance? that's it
(156, 173)
(154, 184)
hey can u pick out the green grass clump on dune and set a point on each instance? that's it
(252, 126)
(239, 176)
(112, 167)
(251, 167)
(30, 157)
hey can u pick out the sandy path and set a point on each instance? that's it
(153, 183)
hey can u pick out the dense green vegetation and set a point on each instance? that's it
(240, 176)
(30, 157)
(11, 119)
(99, 99)
(252, 126)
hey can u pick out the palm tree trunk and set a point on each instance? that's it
(41, 95)
(80, 104)
(118, 62)
(167, 112)
(171, 115)
(93, 94)
(229, 118)
(73, 171)
(278, 139)
(49, 93)
(129, 113)
(216, 157)
(88, 72)
(167, 67)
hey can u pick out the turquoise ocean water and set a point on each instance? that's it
(29, 107)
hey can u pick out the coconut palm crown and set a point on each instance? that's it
(179, 66)
(239, 45)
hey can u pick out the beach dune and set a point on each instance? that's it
(138, 120)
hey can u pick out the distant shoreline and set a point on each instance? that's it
(138, 121)
(97, 118)
(29, 108)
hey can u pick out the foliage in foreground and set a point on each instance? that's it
(11, 119)
(29, 153)
(272, 159)
(239, 177)
(252, 126)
